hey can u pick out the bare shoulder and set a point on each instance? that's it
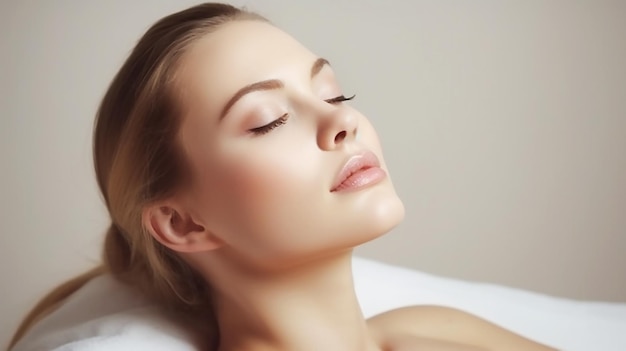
(452, 325)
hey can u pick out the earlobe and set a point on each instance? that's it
(176, 230)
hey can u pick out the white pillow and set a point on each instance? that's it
(105, 315)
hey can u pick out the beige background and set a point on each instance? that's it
(503, 122)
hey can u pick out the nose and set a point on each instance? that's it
(336, 128)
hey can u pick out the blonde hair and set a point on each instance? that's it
(138, 162)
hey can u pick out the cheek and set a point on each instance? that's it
(263, 175)
(258, 198)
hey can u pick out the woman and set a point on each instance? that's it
(238, 181)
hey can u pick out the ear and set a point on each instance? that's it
(176, 229)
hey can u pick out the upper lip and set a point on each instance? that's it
(362, 160)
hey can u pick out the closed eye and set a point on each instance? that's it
(339, 99)
(273, 124)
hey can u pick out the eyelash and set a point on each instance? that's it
(283, 119)
(268, 127)
(340, 98)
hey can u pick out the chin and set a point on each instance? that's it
(385, 216)
(379, 215)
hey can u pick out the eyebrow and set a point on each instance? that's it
(269, 84)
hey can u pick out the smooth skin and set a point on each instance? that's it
(258, 219)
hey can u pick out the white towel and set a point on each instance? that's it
(105, 315)
(565, 324)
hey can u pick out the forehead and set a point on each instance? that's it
(237, 54)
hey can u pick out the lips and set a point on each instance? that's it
(361, 170)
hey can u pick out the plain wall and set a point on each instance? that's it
(503, 124)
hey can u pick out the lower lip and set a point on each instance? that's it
(361, 179)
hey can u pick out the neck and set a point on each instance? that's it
(313, 307)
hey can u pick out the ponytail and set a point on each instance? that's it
(53, 300)
(113, 243)
(116, 254)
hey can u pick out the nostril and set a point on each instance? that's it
(340, 136)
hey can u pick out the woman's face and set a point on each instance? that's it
(266, 163)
